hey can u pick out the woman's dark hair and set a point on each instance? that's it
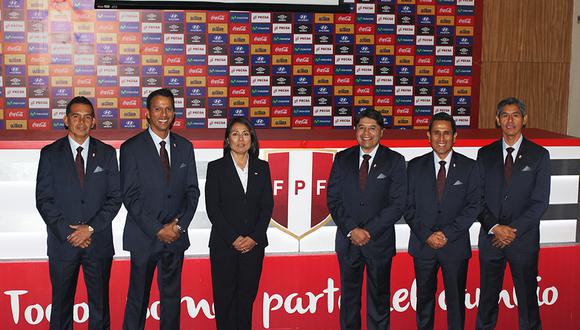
(254, 147)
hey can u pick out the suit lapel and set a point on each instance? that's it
(68, 164)
(151, 156)
(252, 175)
(429, 175)
(92, 157)
(233, 173)
(451, 175)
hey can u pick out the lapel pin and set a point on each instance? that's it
(374, 165)
(255, 173)
(519, 156)
(174, 145)
(93, 155)
(453, 164)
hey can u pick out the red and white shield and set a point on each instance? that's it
(299, 181)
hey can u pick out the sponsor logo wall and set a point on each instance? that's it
(407, 59)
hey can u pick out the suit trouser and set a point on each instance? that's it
(169, 265)
(235, 280)
(63, 277)
(378, 291)
(524, 275)
(454, 279)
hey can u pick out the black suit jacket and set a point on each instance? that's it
(376, 209)
(233, 212)
(521, 203)
(150, 201)
(454, 215)
(61, 201)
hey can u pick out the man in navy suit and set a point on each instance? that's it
(443, 202)
(160, 192)
(366, 197)
(78, 196)
(515, 178)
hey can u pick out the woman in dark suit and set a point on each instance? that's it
(239, 202)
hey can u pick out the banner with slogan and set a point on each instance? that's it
(298, 292)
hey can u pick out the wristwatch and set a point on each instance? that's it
(91, 229)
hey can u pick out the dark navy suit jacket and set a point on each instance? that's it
(455, 213)
(521, 203)
(61, 201)
(150, 201)
(376, 209)
(233, 212)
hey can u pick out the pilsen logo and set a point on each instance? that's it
(299, 181)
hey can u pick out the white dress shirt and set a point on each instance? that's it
(157, 139)
(242, 173)
(85, 153)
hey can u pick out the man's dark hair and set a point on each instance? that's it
(445, 117)
(372, 114)
(511, 101)
(80, 100)
(160, 92)
(254, 146)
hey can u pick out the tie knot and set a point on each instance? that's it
(162, 144)
(442, 163)
(510, 150)
(366, 157)
(80, 149)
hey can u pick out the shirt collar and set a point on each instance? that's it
(74, 144)
(447, 158)
(158, 139)
(372, 153)
(516, 145)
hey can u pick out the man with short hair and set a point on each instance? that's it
(515, 179)
(366, 197)
(160, 192)
(78, 196)
(443, 202)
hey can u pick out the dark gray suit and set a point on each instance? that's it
(375, 209)
(152, 202)
(453, 215)
(520, 205)
(61, 202)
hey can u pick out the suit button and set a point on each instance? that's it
(505, 198)
(82, 201)
(362, 204)
(438, 211)
(169, 196)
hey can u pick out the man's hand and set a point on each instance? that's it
(244, 244)
(80, 237)
(437, 240)
(503, 236)
(360, 237)
(169, 233)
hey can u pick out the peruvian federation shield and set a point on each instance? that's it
(299, 183)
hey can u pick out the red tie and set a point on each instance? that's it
(441, 180)
(363, 172)
(164, 160)
(509, 165)
(80, 166)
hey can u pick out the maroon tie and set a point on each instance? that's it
(363, 172)
(80, 166)
(164, 160)
(441, 180)
(509, 165)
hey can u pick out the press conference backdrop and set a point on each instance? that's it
(300, 286)
(407, 59)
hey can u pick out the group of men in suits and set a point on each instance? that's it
(79, 191)
(440, 195)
